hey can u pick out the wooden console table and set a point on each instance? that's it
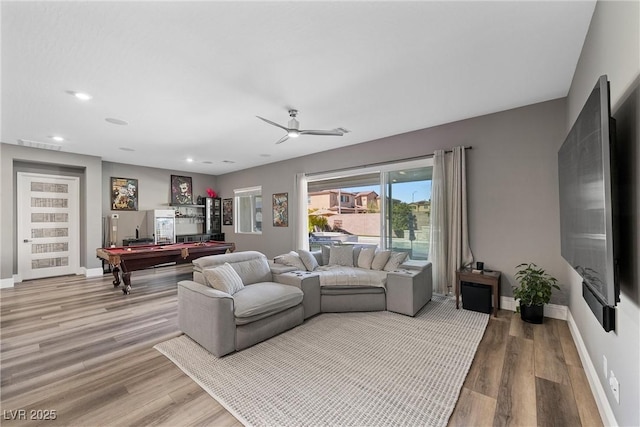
(487, 278)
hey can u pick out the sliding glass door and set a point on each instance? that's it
(408, 213)
(344, 210)
(388, 207)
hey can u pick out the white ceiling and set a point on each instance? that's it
(190, 77)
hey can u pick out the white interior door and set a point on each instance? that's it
(48, 225)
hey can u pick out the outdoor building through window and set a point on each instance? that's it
(248, 210)
(389, 207)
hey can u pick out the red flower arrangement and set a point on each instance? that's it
(211, 193)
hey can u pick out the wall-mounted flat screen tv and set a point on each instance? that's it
(588, 211)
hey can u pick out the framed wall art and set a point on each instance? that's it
(124, 194)
(227, 211)
(181, 190)
(280, 210)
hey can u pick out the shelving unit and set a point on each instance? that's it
(197, 223)
(187, 212)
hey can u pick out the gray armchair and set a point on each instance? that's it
(222, 322)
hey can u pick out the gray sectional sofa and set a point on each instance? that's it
(273, 297)
(407, 287)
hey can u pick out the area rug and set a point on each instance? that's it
(344, 369)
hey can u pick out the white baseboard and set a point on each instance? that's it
(6, 283)
(554, 311)
(507, 303)
(87, 272)
(599, 394)
(93, 272)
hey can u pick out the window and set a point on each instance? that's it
(408, 213)
(248, 210)
(388, 206)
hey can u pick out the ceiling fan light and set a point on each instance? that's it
(293, 133)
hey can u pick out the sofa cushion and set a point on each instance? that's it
(254, 270)
(351, 290)
(380, 260)
(264, 299)
(223, 278)
(395, 259)
(309, 260)
(341, 255)
(252, 266)
(366, 257)
(338, 275)
(291, 259)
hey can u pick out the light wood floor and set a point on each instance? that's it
(81, 348)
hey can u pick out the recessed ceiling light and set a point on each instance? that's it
(116, 121)
(80, 95)
(126, 149)
(57, 138)
(228, 161)
(189, 159)
(207, 162)
(265, 155)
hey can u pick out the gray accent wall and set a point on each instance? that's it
(612, 47)
(512, 185)
(154, 192)
(14, 159)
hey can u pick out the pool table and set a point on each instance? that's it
(125, 259)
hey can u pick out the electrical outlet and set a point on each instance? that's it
(615, 386)
(604, 365)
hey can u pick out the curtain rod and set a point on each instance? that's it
(390, 162)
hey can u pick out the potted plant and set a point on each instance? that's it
(534, 291)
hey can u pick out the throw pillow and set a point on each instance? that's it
(395, 259)
(292, 259)
(366, 257)
(325, 254)
(308, 259)
(356, 254)
(223, 278)
(341, 255)
(380, 260)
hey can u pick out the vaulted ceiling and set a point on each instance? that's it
(189, 78)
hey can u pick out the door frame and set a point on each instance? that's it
(22, 233)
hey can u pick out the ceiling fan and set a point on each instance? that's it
(293, 129)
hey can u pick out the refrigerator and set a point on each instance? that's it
(161, 225)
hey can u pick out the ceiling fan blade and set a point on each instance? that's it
(283, 139)
(334, 132)
(273, 123)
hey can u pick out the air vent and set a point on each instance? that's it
(38, 144)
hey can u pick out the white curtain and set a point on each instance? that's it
(438, 241)
(449, 244)
(301, 234)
